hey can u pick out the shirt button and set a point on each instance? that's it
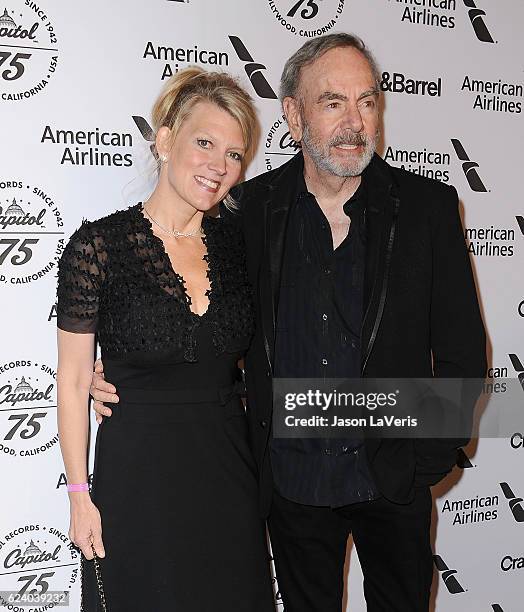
(268, 373)
(327, 271)
(263, 423)
(327, 451)
(324, 361)
(324, 317)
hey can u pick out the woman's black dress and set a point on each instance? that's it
(174, 478)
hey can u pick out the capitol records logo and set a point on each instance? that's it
(27, 409)
(253, 70)
(515, 503)
(307, 18)
(469, 167)
(448, 576)
(279, 145)
(476, 16)
(31, 233)
(28, 50)
(37, 559)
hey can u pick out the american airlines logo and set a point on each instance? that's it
(520, 221)
(476, 16)
(518, 367)
(448, 576)
(469, 167)
(515, 503)
(253, 70)
(463, 461)
(147, 133)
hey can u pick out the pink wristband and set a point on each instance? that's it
(78, 487)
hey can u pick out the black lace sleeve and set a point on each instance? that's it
(80, 277)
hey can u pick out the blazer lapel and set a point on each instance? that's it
(280, 194)
(381, 222)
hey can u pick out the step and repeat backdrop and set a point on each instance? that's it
(77, 82)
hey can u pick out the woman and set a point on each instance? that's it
(172, 520)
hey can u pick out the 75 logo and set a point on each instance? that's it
(31, 429)
(17, 67)
(308, 11)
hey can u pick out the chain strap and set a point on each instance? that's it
(99, 583)
(81, 584)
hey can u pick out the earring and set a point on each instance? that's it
(163, 158)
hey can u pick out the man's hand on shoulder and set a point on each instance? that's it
(102, 391)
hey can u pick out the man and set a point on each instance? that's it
(360, 269)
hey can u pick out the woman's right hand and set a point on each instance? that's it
(86, 525)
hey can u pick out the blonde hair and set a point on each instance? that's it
(192, 85)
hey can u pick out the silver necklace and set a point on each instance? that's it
(175, 233)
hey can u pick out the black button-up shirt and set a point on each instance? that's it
(318, 330)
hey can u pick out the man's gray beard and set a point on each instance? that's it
(319, 153)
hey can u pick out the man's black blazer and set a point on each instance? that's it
(422, 316)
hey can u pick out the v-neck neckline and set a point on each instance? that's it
(168, 265)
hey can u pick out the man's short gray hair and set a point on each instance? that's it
(312, 50)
